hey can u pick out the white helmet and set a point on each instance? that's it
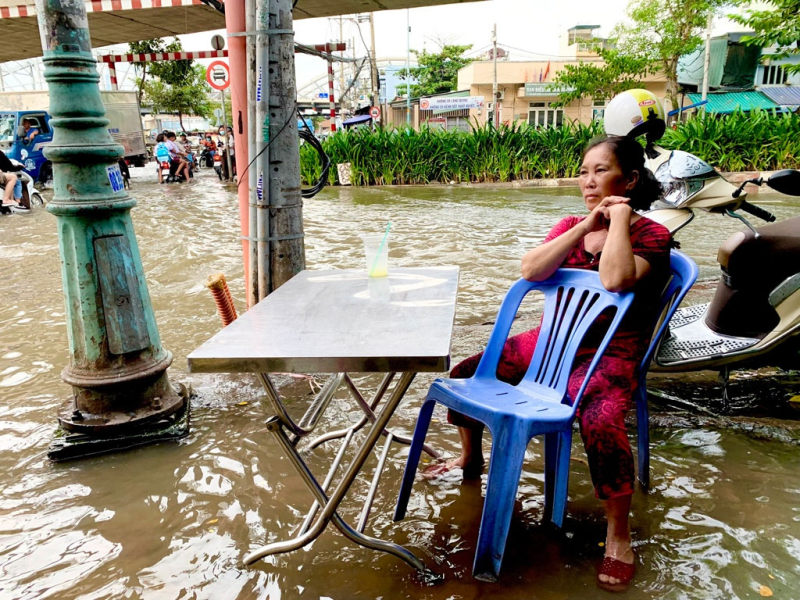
(634, 113)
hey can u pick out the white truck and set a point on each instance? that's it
(122, 111)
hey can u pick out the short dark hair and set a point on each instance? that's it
(170, 134)
(630, 157)
(160, 137)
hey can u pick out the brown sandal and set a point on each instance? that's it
(611, 567)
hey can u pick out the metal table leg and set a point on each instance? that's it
(330, 504)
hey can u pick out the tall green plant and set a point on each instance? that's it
(758, 141)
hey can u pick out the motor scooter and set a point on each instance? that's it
(754, 318)
(218, 164)
(30, 195)
(206, 158)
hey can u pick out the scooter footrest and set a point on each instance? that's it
(684, 316)
(673, 350)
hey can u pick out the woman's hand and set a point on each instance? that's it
(602, 214)
(619, 210)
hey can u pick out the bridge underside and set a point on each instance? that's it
(123, 21)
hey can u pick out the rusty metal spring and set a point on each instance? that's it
(222, 296)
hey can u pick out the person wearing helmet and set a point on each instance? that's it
(636, 112)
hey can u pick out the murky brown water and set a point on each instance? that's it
(174, 520)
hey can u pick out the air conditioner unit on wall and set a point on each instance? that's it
(501, 94)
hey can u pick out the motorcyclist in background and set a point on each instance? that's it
(12, 183)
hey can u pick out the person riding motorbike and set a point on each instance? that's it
(208, 151)
(177, 158)
(12, 194)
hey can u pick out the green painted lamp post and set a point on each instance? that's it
(118, 370)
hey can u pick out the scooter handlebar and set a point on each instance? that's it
(757, 211)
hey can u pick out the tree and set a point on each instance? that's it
(187, 97)
(664, 30)
(617, 73)
(170, 71)
(437, 72)
(777, 27)
(145, 47)
(657, 35)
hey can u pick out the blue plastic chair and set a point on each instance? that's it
(539, 404)
(684, 274)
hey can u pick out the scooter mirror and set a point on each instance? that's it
(786, 181)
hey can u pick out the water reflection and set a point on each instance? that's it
(175, 520)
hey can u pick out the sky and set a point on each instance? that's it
(528, 29)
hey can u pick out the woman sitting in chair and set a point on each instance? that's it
(630, 252)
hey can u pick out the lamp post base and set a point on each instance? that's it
(70, 444)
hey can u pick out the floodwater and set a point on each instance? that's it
(174, 520)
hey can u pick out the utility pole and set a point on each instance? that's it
(287, 253)
(495, 103)
(408, 68)
(707, 60)
(374, 62)
(341, 68)
(121, 395)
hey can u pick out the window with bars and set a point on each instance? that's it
(542, 114)
(773, 75)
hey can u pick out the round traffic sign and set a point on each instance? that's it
(375, 112)
(218, 75)
(217, 42)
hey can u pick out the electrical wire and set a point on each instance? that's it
(272, 139)
(308, 136)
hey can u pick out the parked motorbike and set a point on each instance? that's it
(754, 317)
(31, 197)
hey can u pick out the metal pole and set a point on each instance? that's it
(112, 75)
(408, 68)
(121, 395)
(330, 93)
(252, 172)
(495, 104)
(263, 43)
(236, 26)
(286, 205)
(341, 67)
(227, 135)
(707, 60)
(374, 61)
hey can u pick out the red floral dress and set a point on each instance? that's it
(608, 395)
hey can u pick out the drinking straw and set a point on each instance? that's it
(380, 248)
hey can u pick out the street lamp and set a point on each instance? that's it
(122, 396)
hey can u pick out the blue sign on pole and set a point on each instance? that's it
(115, 177)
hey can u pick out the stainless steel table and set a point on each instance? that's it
(340, 322)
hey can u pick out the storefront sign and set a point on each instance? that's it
(451, 103)
(545, 89)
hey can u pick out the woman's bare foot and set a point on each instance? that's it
(472, 469)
